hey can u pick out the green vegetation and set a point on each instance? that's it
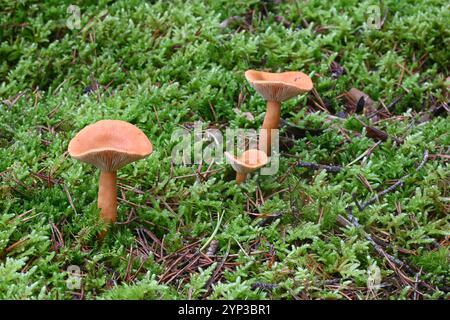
(163, 65)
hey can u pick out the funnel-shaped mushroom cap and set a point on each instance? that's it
(248, 161)
(110, 144)
(279, 86)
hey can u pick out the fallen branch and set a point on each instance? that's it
(315, 166)
(264, 286)
(396, 264)
(400, 182)
(379, 249)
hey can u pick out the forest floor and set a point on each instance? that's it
(373, 226)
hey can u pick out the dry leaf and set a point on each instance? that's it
(376, 134)
(357, 100)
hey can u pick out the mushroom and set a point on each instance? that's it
(109, 145)
(247, 162)
(275, 88)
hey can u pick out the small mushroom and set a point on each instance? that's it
(276, 88)
(247, 162)
(109, 145)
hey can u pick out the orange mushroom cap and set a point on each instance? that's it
(110, 144)
(279, 86)
(248, 161)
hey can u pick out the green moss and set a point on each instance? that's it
(161, 65)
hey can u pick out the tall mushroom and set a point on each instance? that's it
(109, 145)
(276, 88)
(247, 162)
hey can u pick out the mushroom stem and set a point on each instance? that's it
(271, 121)
(107, 196)
(240, 177)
